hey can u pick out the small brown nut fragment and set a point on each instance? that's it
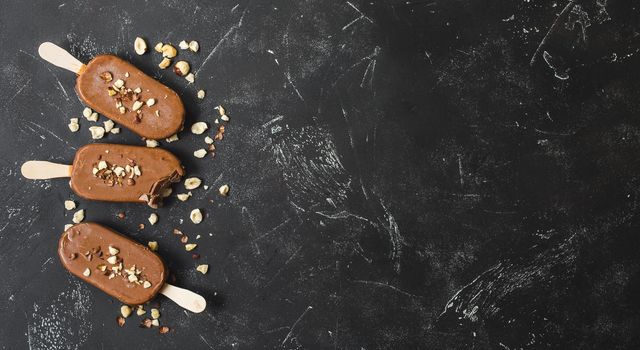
(131, 182)
(155, 314)
(153, 245)
(125, 311)
(140, 226)
(164, 330)
(140, 46)
(223, 190)
(120, 321)
(181, 68)
(146, 323)
(158, 47)
(111, 91)
(184, 239)
(87, 272)
(194, 46)
(203, 268)
(121, 215)
(166, 192)
(106, 76)
(169, 51)
(192, 183)
(165, 63)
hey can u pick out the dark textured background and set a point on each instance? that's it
(404, 174)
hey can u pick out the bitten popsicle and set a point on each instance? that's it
(114, 173)
(120, 267)
(118, 90)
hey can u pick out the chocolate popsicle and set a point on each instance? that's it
(118, 90)
(115, 173)
(120, 267)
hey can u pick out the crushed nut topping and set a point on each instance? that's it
(112, 174)
(203, 268)
(192, 183)
(140, 46)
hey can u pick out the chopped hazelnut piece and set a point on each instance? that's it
(97, 132)
(112, 260)
(68, 226)
(132, 278)
(86, 272)
(146, 284)
(153, 245)
(106, 76)
(223, 190)
(155, 323)
(196, 216)
(108, 125)
(189, 247)
(78, 216)
(183, 45)
(168, 51)
(73, 125)
(158, 47)
(165, 63)
(125, 311)
(201, 94)
(172, 138)
(140, 310)
(69, 204)
(181, 68)
(208, 140)
(190, 78)
(200, 153)
(151, 143)
(140, 46)
(192, 183)
(166, 192)
(113, 250)
(194, 46)
(120, 321)
(155, 314)
(119, 83)
(137, 90)
(164, 330)
(199, 128)
(93, 117)
(151, 102)
(86, 112)
(221, 110)
(224, 118)
(183, 196)
(136, 105)
(203, 268)
(153, 218)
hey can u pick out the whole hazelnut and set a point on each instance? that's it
(181, 68)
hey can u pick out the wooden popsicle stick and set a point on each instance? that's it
(185, 298)
(41, 170)
(58, 56)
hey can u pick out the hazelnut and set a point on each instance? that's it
(208, 140)
(172, 138)
(165, 63)
(106, 76)
(97, 132)
(181, 68)
(125, 311)
(168, 51)
(196, 216)
(151, 102)
(189, 247)
(201, 94)
(183, 196)
(145, 285)
(223, 190)
(221, 110)
(112, 260)
(200, 153)
(137, 105)
(86, 272)
(158, 47)
(74, 126)
(155, 314)
(199, 128)
(69, 204)
(115, 130)
(108, 125)
(78, 216)
(140, 311)
(194, 46)
(151, 143)
(153, 245)
(113, 250)
(153, 218)
(203, 268)
(119, 83)
(190, 78)
(86, 112)
(183, 45)
(224, 118)
(140, 46)
(192, 183)
(68, 226)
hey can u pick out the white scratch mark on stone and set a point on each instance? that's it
(222, 40)
(295, 324)
(385, 285)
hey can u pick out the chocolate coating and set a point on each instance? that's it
(159, 169)
(93, 91)
(96, 239)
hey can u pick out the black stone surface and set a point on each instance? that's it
(404, 174)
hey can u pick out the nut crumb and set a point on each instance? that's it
(164, 330)
(68, 226)
(223, 190)
(153, 218)
(97, 132)
(172, 138)
(137, 105)
(108, 125)
(164, 63)
(168, 51)
(69, 204)
(153, 245)
(201, 94)
(151, 143)
(181, 68)
(224, 118)
(183, 196)
(86, 272)
(158, 47)
(189, 247)
(140, 46)
(208, 140)
(221, 110)
(115, 130)
(86, 112)
(113, 250)
(155, 314)
(121, 215)
(120, 321)
(192, 183)
(203, 268)
(199, 128)
(183, 45)
(140, 310)
(200, 153)
(196, 216)
(194, 46)
(125, 311)
(146, 284)
(151, 102)
(190, 78)
(78, 216)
